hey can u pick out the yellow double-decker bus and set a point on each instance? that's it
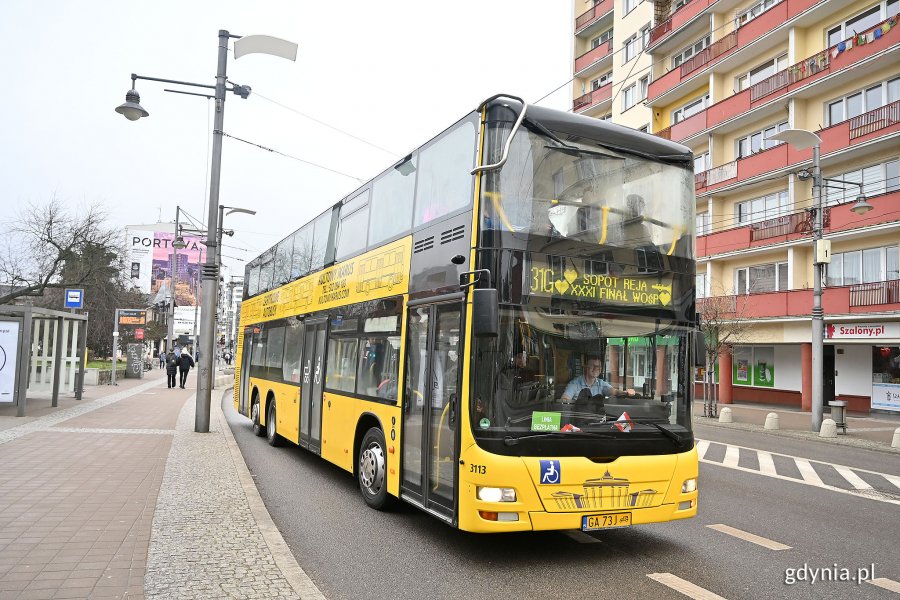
(499, 328)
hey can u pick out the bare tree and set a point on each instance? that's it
(42, 239)
(723, 326)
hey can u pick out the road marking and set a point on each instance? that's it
(852, 478)
(767, 468)
(732, 455)
(582, 538)
(885, 583)
(750, 537)
(766, 464)
(702, 447)
(809, 474)
(893, 479)
(685, 587)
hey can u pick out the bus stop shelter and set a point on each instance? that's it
(41, 350)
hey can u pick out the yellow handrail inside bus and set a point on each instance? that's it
(604, 221)
(437, 446)
(674, 240)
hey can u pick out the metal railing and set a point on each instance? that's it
(596, 11)
(874, 120)
(709, 53)
(878, 292)
(798, 72)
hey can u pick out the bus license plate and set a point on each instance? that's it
(593, 522)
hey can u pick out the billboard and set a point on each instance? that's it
(151, 265)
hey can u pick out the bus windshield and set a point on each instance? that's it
(564, 189)
(577, 372)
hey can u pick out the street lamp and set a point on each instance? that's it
(177, 244)
(132, 110)
(801, 139)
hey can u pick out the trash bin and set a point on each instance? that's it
(839, 413)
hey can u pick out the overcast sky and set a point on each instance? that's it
(394, 73)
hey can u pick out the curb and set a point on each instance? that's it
(284, 559)
(841, 440)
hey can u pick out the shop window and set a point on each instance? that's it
(753, 366)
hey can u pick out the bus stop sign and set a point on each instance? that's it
(74, 298)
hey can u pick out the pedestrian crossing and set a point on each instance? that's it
(882, 487)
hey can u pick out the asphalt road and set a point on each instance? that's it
(352, 552)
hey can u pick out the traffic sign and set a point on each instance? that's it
(74, 298)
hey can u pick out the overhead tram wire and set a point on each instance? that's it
(267, 149)
(332, 127)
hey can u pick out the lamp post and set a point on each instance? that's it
(177, 244)
(132, 110)
(801, 139)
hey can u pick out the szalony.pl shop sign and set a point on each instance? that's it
(872, 331)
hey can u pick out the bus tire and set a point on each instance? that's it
(259, 429)
(372, 469)
(271, 430)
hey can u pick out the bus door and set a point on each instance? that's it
(246, 349)
(431, 407)
(313, 382)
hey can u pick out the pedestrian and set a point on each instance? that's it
(171, 368)
(162, 359)
(185, 362)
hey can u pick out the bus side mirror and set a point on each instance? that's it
(485, 312)
(699, 349)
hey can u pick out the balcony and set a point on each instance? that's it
(797, 226)
(799, 76)
(874, 125)
(585, 20)
(592, 99)
(593, 56)
(836, 300)
(676, 21)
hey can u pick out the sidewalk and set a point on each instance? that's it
(874, 432)
(115, 496)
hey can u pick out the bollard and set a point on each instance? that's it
(771, 421)
(829, 429)
(895, 443)
(725, 415)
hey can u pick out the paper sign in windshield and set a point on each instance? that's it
(545, 421)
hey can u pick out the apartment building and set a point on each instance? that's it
(725, 77)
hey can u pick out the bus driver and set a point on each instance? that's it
(591, 381)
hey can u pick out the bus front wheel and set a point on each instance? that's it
(372, 468)
(271, 430)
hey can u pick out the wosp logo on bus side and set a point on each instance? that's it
(551, 472)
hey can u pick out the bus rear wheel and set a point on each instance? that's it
(259, 429)
(271, 430)
(372, 469)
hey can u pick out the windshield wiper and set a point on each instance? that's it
(658, 424)
(512, 441)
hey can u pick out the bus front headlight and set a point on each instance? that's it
(690, 485)
(494, 494)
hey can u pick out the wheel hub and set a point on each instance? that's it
(371, 468)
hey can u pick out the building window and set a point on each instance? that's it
(861, 22)
(603, 38)
(690, 51)
(754, 11)
(762, 208)
(760, 72)
(876, 179)
(644, 128)
(644, 85)
(629, 5)
(759, 140)
(863, 266)
(702, 223)
(629, 97)
(630, 49)
(691, 108)
(644, 36)
(758, 279)
(601, 81)
(859, 102)
(701, 162)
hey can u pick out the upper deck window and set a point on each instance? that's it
(353, 226)
(444, 180)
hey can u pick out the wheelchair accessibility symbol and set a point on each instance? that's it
(550, 471)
